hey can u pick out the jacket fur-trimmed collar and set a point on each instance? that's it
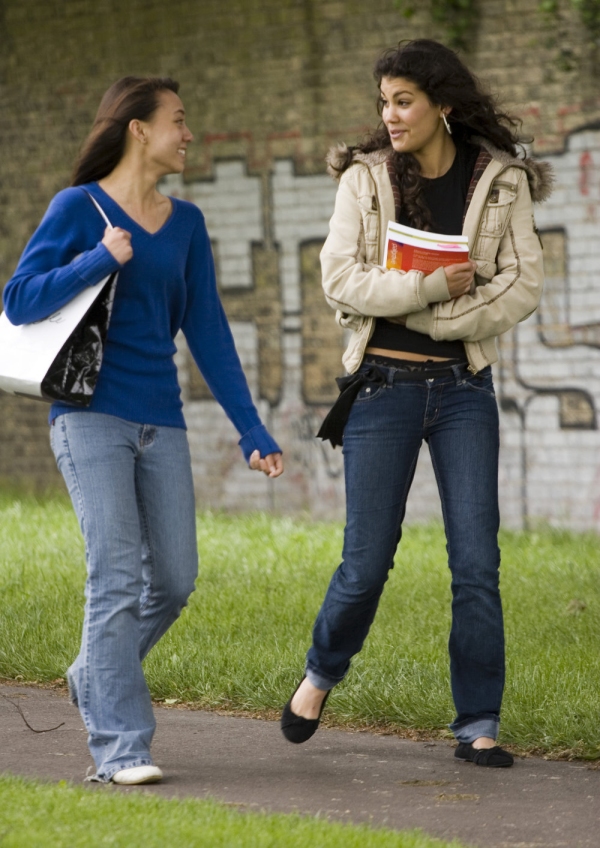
(539, 174)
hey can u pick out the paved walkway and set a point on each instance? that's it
(349, 776)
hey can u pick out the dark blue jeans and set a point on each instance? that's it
(458, 417)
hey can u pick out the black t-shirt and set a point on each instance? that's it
(445, 197)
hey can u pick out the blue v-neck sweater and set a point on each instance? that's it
(168, 285)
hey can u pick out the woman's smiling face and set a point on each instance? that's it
(167, 135)
(412, 120)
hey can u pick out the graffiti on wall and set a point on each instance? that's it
(549, 375)
(267, 234)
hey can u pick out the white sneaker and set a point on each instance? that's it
(138, 774)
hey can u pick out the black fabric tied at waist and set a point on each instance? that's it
(332, 427)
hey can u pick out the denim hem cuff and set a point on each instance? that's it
(319, 681)
(487, 727)
(107, 776)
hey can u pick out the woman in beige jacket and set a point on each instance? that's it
(444, 159)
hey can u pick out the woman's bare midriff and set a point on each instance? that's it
(402, 354)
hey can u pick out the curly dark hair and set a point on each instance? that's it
(127, 99)
(439, 72)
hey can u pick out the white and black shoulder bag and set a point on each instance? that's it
(59, 358)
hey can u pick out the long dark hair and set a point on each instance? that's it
(127, 99)
(446, 81)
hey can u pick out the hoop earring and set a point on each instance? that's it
(446, 124)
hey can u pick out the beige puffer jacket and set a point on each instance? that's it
(502, 240)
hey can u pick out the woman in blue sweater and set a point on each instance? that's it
(125, 458)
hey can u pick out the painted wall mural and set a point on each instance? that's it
(267, 230)
(549, 375)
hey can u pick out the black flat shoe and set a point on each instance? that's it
(295, 728)
(495, 757)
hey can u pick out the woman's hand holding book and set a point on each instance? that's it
(460, 277)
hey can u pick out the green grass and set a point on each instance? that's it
(241, 642)
(37, 815)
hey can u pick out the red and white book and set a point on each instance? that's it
(408, 249)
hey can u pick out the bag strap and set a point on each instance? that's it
(99, 208)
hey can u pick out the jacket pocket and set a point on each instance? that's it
(498, 208)
(368, 393)
(370, 218)
(481, 382)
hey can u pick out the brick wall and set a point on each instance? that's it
(268, 86)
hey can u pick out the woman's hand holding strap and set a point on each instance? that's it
(118, 243)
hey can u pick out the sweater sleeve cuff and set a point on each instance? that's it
(258, 439)
(435, 286)
(421, 322)
(95, 264)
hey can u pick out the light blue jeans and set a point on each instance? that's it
(131, 487)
